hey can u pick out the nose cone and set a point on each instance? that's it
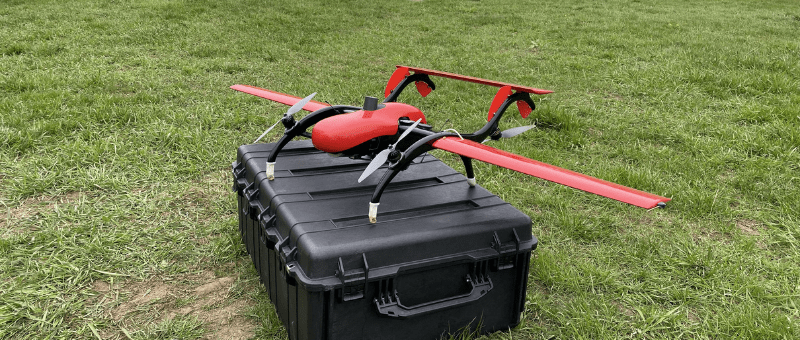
(344, 132)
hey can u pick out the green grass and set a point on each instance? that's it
(117, 129)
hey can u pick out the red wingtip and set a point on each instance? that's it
(524, 109)
(498, 100)
(399, 74)
(423, 88)
(549, 172)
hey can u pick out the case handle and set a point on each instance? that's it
(394, 308)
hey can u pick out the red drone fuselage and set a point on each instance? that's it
(340, 133)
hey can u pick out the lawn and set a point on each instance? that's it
(117, 131)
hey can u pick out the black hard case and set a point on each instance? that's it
(443, 257)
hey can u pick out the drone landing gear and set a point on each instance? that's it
(409, 155)
(295, 129)
(376, 196)
(468, 169)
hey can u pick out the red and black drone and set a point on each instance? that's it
(397, 133)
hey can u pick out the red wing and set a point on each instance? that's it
(549, 172)
(278, 97)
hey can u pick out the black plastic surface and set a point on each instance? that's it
(443, 255)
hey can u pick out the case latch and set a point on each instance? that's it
(508, 252)
(353, 288)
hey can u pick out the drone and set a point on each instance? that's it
(397, 133)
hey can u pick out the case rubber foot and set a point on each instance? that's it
(373, 212)
(270, 170)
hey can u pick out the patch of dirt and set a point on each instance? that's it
(612, 95)
(206, 193)
(143, 293)
(204, 240)
(640, 223)
(199, 202)
(646, 220)
(749, 227)
(594, 132)
(214, 286)
(11, 222)
(203, 296)
(213, 184)
(624, 309)
(703, 235)
(101, 286)
(692, 316)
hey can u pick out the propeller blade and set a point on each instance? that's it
(299, 105)
(515, 131)
(549, 172)
(405, 133)
(266, 132)
(376, 163)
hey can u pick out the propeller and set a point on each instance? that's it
(511, 132)
(515, 131)
(383, 156)
(290, 112)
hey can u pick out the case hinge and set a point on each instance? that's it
(238, 175)
(251, 193)
(255, 209)
(288, 259)
(265, 226)
(286, 256)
